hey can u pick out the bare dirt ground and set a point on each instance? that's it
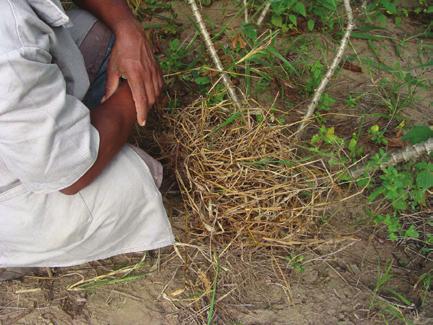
(337, 285)
(335, 288)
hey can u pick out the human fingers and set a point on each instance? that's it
(139, 95)
(112, 83)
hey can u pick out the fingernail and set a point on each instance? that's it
(143, 123)
(103, 99)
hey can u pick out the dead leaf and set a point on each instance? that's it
(177, 292)
(238, 41)
(351, 67)
(396, 142)
(205, 281)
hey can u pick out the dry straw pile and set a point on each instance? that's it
(243, 180)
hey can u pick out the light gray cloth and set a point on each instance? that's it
(47, 143)
(83, 21)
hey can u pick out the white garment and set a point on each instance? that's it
(47, 143)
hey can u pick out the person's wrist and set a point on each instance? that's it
(124, 26)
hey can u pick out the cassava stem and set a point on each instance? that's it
(410, 153)
(331, 71)
(213, 53)
(246, 11)
(264, 13)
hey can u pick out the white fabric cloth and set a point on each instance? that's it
(47, 143)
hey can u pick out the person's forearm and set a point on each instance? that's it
(114, 120)
(114, 13)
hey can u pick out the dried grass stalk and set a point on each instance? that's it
(243, 184)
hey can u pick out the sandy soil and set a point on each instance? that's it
(336, 288)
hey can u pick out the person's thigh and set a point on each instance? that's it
(95, 41)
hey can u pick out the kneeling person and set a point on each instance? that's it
(71, 190)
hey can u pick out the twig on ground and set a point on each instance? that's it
(264, 13)
(213, 53)
(410, 153)
(331, 71)
(326, 256)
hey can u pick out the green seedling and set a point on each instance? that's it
(296, 262)
(326, 135)
(377, 135)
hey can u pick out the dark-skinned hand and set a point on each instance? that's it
(132, 59)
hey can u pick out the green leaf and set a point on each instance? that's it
(399, 204)
(400, 297)
(392, 223)
(310, 25)
(379, 219)
(274, 52)
(326, 102)
(418, 134)
(418, 195)
(424, 165)
(280, 6)
(381, 18)
(300, 9)
(375, 129)
(293, 20)
(429, 10)
(277, 21)
(230, 120)
(329, 4)
(373, 196)
(201, 81)
(424, 179)
(389, 6)
(250, 31)
(363, 181)
(316, 139)
(411, 232)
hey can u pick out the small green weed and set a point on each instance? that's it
(377, 136)
(379, 11)
(387, 309)
(405, 188)
(296, 262)
(175, 57)
(328, 136)
(287, 14)
(425, 284)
